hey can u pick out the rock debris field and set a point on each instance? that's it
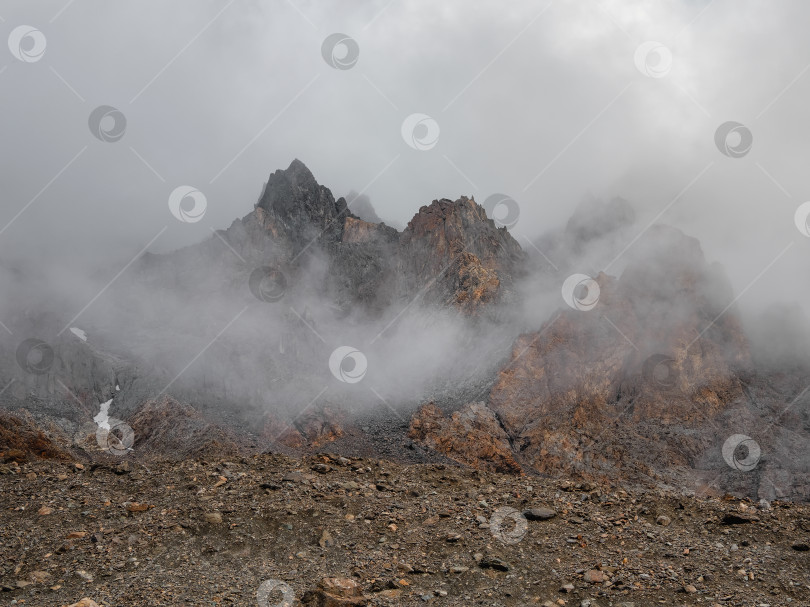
(271, 530)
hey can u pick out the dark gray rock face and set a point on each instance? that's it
(188, 325)
(300, 210)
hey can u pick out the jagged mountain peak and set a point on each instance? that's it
(295, 204)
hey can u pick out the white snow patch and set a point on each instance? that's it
(103, 417)
(79, 333)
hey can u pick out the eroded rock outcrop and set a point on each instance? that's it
(633, 384)
(471, 435)
(458, 256)
(165, 427)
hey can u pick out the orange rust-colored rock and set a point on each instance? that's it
(471, 436)
(21, 437)
(169, 428)
(357, 230)
(587, 375)
(335, 592)
(311, 429)
(631, 388)
(452, 247)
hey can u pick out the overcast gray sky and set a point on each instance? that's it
(546, 101)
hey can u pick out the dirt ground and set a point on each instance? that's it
(267, 529)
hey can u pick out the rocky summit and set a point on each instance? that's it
(313, 407)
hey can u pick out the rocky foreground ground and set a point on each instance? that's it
(334, 531)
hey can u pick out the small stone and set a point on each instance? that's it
(663, 520)
(44, 511)
(491, 562)
(213, 517)
(31, 476)
(75, 535)
(594, 576)
(734, 519)
(321, 468)
(335, 591)
(123, 468)
(539, 514)
(567, 588)
(85, 602)
(84, 575)
(690, 589)
(326, 540)
(40, 576)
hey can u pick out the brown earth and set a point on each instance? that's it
(122, 532)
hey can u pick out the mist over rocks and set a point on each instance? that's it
(466, 347)
(361, 206)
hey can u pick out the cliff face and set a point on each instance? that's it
(452, 250)
(633, 387)
(644, 386)
(658, 340)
